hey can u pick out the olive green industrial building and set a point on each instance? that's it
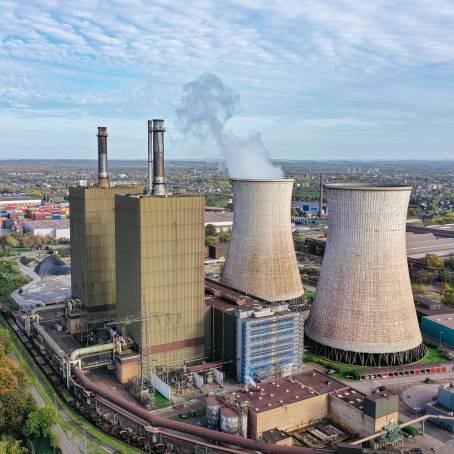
(160, 270)
(93, 248)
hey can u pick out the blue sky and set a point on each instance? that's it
(318, 79)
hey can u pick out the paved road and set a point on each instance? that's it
(16, 296)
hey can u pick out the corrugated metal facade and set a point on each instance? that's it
(160, 268)
(93, 248)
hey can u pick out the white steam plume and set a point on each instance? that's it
(205, 107)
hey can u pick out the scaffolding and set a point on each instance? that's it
(270, 346)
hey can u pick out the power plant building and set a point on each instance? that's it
(257, 339)
(92, 226)
(261, 260)
(160, 270)
(364, 311)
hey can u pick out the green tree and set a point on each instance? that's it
(223, 237)
(423, 277)
(38, 425)
(12, 242)
(447, 295)
(210, 240)
(210, 230)
(9, 445)
(434, 262)
(299, 243)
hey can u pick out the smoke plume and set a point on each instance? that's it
(205, 107)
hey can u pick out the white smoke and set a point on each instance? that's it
(205, 107)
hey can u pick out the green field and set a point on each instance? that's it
(10, 279)
(343, 371)
(433, 356)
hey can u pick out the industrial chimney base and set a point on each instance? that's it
(366, 359)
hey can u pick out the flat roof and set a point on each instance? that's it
(48, 224)
(224, 216)
(289, 390)
(446, 320)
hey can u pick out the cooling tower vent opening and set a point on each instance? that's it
(353, 186)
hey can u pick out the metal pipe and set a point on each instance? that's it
(155, 420)
(150, 157)
(103, 175)
(159, 183)
(76, 354)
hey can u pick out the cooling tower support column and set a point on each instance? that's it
(261, 259)
(364, 311)
(103, 176)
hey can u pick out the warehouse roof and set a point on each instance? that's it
(223, 217)
(48, 224)
(288, 390)
(420, 244)
(446, 320)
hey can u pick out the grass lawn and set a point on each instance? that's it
(161, 401)
(433, 356)
(343, 371)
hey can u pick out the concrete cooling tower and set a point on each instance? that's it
(364, 311)
(261, 260)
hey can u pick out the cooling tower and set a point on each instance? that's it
(261, 259)
(364, 311)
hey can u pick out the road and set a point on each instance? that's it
(16, 296)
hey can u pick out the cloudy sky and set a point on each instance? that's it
(334, 79)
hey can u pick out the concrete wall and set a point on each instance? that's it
(160, 269)
(92, 226)
(354, 419)
(288, 417)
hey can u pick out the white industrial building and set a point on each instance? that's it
(222, 221)
(19, 201)
(56, 228)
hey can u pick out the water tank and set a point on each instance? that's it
(213, 409)
(363, 312)
(230, 420)
(261, 259)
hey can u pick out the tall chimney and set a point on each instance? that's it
(150, 157)
(158, 129)
(103, 176)
(320, 204)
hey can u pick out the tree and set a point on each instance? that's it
(15, 407)
(9, 445)
(210, 230)
(223, 237)
(447, 295)
(39, 424)
(434, 262)
(210, 240)
(449, 262)
(11, 242)
(423, 277)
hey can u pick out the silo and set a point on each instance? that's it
(230, 420)
(364, 311)
(261, 259)
(213, 409)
